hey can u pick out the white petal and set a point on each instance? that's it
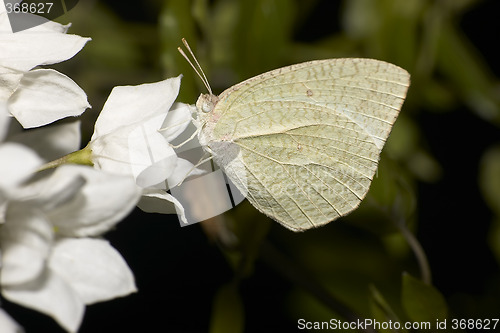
(110, 153)
(93, 268)
(138, 151)
(9, 81)
(4, 119)
(104, 200)
(128, 105)
(59, 189)
(25, 241)
(159, 201)
(18, 163)
(23, 51)
(160, 157)
(182, 170)
(4, 20)
(44, 96)
(8, 325)
(52, 296)
(178, 119)
(51, 142)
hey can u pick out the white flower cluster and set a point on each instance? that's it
(52, 257)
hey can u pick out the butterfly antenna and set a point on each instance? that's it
(202, 76)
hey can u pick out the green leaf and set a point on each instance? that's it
(494, 238)
(262, 37)
(250, 231)
(175, 23)
(468, 72)
(381, 311)
(422, 302)
(227, 313)
(489, 182)
(373, 22)
(489, 178)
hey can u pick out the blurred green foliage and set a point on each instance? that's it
(359, 259)
(227, 313)
(422, 302)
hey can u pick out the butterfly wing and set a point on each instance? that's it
(303, 142)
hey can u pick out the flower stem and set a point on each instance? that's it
(417, 249)
(82, 157)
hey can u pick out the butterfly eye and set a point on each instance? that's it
(207, 106)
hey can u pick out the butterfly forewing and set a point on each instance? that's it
(308, 136)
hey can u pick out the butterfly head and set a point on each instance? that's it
(206, 103)
(206, 119)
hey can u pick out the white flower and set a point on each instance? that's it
(45, 240)
(22, 162)
(132, 136)
(50, 142)
(38, 96)
(7, 324)
(50, 262)
(18, 164)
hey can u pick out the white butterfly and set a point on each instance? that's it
(303, 142)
